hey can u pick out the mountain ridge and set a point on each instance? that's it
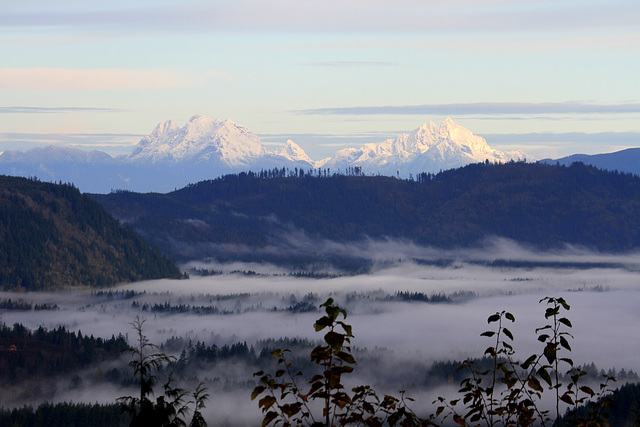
(428, 148)
(627, 160)
(303, 221)
(172, 156)
(52, 236)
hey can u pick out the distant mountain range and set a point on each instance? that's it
(171, 156)
(426, 149)
(627, 161)
(314, 222)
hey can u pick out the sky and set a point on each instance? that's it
(548, 77)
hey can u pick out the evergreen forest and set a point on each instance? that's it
(52, 236)
(539, 205)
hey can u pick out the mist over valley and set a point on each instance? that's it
(418, 264)
(405, 317)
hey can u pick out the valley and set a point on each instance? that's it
(397, 339)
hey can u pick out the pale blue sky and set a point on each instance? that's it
(327, 74)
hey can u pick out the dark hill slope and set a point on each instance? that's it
(627, 161)
(53, 236)
(542, 205)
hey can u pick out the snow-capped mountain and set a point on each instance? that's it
(293, 152)
(204, 148)
(201, 140)
(52, 153)
(428, 148)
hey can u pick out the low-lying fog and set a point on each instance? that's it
(604, 312)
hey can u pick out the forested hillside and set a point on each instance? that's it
(53, 236)
(285, 214)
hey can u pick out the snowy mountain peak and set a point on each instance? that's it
(428, 148)
(201, 140)
(448, 129)
(292, 151)
(448, 123)
(165, 128)
(423, 137)
(205, 148)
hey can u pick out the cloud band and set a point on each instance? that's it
(465, 109)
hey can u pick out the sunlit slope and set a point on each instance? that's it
(53, 236)
(248, 217)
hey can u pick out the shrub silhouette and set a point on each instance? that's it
(168, 409)
(285, 402)
(509, 393)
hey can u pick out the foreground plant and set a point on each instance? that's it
(284, 400)
(510, 392)
(171, 407)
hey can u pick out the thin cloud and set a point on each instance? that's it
(616, 140)
(350, 64)
(57, 110)
(278, 137)
(466, 109)
(25, 136)
(580, 137)
(414, 16)
(43, 78)
(115, 143)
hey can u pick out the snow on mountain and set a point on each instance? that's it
(55, 154)
(426, 149)
(293, 152)
(204, 148)
(201, 140)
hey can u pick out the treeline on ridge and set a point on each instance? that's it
(52, 236)
(541, 205)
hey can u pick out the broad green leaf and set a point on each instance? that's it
(322, 323)
(327, 303)
(487, 334)
(266, 402)
(550, 352)
(270, 416)
(567, 399)
(510, 316)
(346, 357)
(566, 360)
(347, 329)
(528, 362)
(277, 353)
(563, 303)
(564, 343)
(535, 384)
(334, 340)
(545, 376)
(493, 318)
(459, 420)
(587, 390)
(550, 312)
(257, 391)
(565, 322)
(508, 333)
(543, 337)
